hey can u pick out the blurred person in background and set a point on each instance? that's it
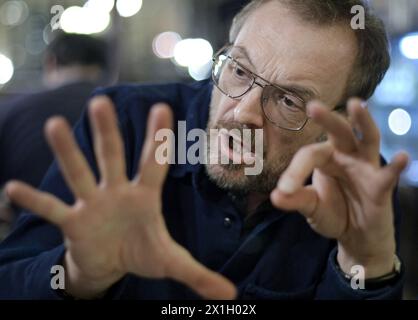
(125, 226)
(73, 66)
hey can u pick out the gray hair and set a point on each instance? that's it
(373, 58)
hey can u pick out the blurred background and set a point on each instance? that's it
(174, 40)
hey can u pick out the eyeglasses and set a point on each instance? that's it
(281, 107)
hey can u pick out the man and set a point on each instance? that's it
(73, 66)
(127, 229)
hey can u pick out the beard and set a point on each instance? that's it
(232, 177)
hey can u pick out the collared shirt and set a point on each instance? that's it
(271, 255)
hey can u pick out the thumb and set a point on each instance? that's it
(304, 200)
(207, 283)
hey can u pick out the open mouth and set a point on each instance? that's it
(231, 143)
(233, 148)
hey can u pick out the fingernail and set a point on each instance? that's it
(6, 190)
(363, 104)
(287, 185)
(309, 108)
(99, 100)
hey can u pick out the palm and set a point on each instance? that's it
(121, 223)
(117, 226)
(344, 198)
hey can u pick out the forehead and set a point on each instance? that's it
(286, 49)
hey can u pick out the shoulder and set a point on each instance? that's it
(13, 109)
(136, 99)
(65, 100)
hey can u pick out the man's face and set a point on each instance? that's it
(289, 53)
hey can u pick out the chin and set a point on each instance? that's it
(232, 178)
(228, 177)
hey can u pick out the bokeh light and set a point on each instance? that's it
(399, 122)
(200, 72)
(105, 5)
(409, 46)
(34, 43)
(84, 20)
(164, 43)
(193, 52)
(128, 8)
(13, 13)
(6, 69)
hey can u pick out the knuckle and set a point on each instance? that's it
(77, 174)
(45, 205)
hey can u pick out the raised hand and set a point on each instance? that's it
(115, 227)
(350, 198)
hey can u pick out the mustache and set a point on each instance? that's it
(229, 125)
(238, 126)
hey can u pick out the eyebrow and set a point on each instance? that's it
(305, 93)
(245, 53)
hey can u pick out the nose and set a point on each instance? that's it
(248, 110)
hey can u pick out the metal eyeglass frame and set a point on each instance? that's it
(254, 81)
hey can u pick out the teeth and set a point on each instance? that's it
(238, 139)
(235, 138)
(234, 145)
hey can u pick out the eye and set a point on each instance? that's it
(237, 71)
(291, 102)
(288, 102)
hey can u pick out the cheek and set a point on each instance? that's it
(279, 142)
(283, 143)
(222, 107)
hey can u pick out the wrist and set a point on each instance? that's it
(81, 286)
(374, 283)
(374, 265)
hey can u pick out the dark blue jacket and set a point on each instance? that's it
(274, 255)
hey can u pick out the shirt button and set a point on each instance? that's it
(227, 222)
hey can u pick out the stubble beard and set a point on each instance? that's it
(232, 177)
